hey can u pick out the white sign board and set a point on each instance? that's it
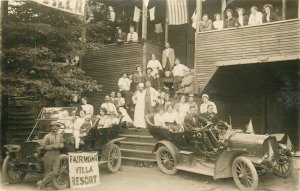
(71, 6)
(83, 169)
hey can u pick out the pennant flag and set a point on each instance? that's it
(136, 14)
(249, 128)
(194, 20)
(271, 152)
(146, 3)
(71, 6)
(158, 28)
(177, 12)
(288, 143)
(152, 14)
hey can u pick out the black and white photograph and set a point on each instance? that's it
(150, 95)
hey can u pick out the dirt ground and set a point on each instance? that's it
(151, 179)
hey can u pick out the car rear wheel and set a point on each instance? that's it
(10, 171)
(114, 159)
(62, 181)
(166, 161)
(244, 174)
(284, 167)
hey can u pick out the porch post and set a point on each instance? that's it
(283, 9)
(223, 7)
(298, 9)
(167, 24)
(199, 15)
(144, 34)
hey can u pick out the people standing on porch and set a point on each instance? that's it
(88, 108)
(132, 36)
(139, 111)
(155, 65)
(205, 24)
(168, 58)
(218, 24)
(269, 15)
(110, 107)
(178, 72)
(255, 17)
(120, 36)
(137, 77)
(230, 21)
(151, 96)
(148, 77)
(206, 102)
(242, 19)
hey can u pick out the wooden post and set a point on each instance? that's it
(144, 34)
(137, 27)
(167, 24)
(298, 9)
(283, 9)
(199, 15)
(223, 7)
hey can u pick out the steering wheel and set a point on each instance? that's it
(208, 126)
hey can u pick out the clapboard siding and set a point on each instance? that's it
(108, 62)
(274, 39)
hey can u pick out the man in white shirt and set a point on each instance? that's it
(155, 65)
(178, 73)
(132, 36)
(124, 83)
(110, 107)
(168, 57)
(206, 103)
(255, 17)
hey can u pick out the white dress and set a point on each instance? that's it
(139, 110)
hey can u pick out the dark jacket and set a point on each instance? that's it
(273, 17)
(213, 118)
(158, 84)
(120, 37)
(245, 21)
(146, 78)
(229, 23)
(191, 124)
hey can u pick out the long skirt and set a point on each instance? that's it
(139, 116)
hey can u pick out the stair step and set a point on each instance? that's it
(138, 159)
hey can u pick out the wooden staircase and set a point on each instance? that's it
(137, 147)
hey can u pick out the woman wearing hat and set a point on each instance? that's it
(269, 15)
(242, 19)
(206, 103)
(120, 36)
(230, 21)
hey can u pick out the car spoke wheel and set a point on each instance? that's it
(11, 172)
(244, 174)
(114, 159)
(166, 160)
(284, 166)
(61, 180)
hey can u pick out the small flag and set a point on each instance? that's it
(249, 128)
(177, 12)
(194, 20)
(158, 28)
(271, 152)
(152, 14)
(136, 14)
(288, 144)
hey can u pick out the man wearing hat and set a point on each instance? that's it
(178, 73)
(206, 103)
(120, 36)
(269, 15)
(52, 143)
(148, 77)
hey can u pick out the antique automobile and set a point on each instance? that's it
(236, 154)
(27, 157)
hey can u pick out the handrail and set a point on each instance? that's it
(239, 28)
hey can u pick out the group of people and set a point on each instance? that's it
(255, 18)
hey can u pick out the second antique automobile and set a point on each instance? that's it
(28, 156)
(241, 156)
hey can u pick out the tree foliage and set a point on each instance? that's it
(41, 51)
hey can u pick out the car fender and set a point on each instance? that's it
(108, 145)
(173, 149)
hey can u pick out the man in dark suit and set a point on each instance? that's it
(213, 118)
(269, 15)
(148, 77)
(168, 58)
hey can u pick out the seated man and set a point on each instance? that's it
(213, 118)
(194, 123)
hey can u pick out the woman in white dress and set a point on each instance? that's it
(139, 111)
(88, 108)
(218, 23)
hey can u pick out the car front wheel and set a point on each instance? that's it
(10, 171)
(114, 159)
(166, 161)
(244, 174)
(284, 166)
(61, 181)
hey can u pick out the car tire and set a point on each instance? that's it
(62, 180)
(284, 167)
(244, 174)
(166, 160)
(114, 159)
(6, 167)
